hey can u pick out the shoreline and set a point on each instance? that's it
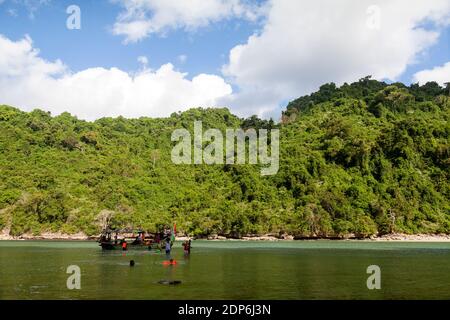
(399, 237)
(395, 237)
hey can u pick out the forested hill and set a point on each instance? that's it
(363, 159)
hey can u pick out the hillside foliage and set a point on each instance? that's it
(361, 159)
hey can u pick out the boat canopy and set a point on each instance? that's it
(108, 230)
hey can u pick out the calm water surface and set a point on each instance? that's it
(228, 270)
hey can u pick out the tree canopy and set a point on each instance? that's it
(362, 159)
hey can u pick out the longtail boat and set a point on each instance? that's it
(124, 239)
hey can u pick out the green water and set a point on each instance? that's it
(228, 270)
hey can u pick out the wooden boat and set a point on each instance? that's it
(124, 239)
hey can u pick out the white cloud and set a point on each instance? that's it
(302, 45)
(141, 18)
(440, 74)
(31, 6)
(307, 43)
(12, 12)
(182, 58)
(143, 60)
(28, 81)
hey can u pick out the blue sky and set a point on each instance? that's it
(94, 45)
(251, 59)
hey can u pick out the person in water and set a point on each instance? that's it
(124, 245)
(168, 246)
(186, 247)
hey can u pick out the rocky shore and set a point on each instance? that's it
(47, 236)
(413, 237)
(387, 237)
(269, 237)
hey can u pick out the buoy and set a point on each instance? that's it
(169, 262)
(131, 263)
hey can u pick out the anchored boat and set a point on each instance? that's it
(124, 239)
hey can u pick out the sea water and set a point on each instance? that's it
(227, 270)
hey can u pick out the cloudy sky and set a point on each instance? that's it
(154, 57)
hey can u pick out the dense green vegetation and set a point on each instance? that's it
(361, 159)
